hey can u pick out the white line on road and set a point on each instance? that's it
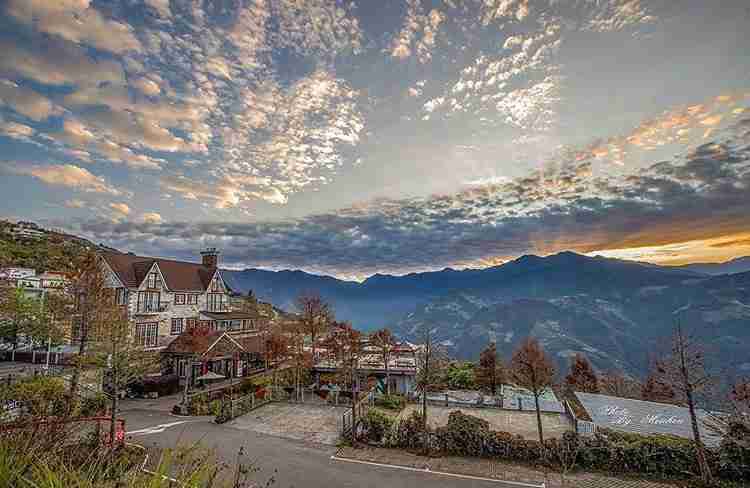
(158, 428)
(441, 473)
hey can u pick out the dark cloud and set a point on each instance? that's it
(703, 194)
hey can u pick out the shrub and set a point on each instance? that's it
(376, 425)
(93, 405)
(163, 385)
(464, 434)
(214, 408)
(391, 402)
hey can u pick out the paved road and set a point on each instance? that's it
(299, 465)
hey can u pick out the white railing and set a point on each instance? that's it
(584, 427)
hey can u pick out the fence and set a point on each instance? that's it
(57, 423)
(511, 402)
(233, 408)
(360, 409)
(585, 427)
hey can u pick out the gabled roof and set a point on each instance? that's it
(213, 345)
(178, 275)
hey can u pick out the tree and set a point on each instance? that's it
(489, 373)
(431, 363)
(581, 376)
(533, 370)
(615, 383)
(315, 316)
(385, 342)
(683, 370)
(118, 354)
(349, 341)
(88, 287)
(22, 316)
(276, 347)
(460, 376)
(653, 390)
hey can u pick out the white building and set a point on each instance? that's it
(165, 297)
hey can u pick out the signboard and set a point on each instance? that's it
(643, 417)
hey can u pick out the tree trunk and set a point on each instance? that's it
(81, 351)
(387, 378)
(700, 450)
(113, 420)
(538, 418)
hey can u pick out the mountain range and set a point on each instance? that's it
(616, 312)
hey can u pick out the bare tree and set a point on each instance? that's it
(431, 363)
(301, 360)
(88, 287)
(490, 372)
(315, 316)
(349, 341)
(615, 383)
(117, 353)
(653, 390)
(384, 340)
(581, 376)
(275, 349)
(683, 370)
(532, 369)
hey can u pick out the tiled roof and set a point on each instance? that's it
(231, 315)
(215, 344)
(178, 275)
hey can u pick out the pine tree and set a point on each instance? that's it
(532, 369)
(490, 372)
(581, 376)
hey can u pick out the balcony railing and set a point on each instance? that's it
(152, 308)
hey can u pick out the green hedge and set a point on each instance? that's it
(609, 451)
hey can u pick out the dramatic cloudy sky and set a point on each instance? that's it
(382, 135)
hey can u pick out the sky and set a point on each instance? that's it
(351, 138)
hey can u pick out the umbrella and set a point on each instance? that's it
(210, 376)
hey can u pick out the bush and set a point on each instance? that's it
(376, 425)
(163, 385)
(94, 405)
(391, 402)
(608, 451)
(464, 434)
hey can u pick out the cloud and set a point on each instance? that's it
(151, 218)
(16, 131)
(75, 203)
(76, 21)
(120, 208)
(67, 175)
(55, 63)
(699, 195)
(417, 33)
(26, 101)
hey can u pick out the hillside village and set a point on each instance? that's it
(191, 344)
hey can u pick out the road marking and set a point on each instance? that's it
(158, 428)
(440, 473)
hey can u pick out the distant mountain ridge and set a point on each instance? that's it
(615, 311)
(737, 265)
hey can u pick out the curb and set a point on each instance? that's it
(335, 457)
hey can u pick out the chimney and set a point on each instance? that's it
(210, 257)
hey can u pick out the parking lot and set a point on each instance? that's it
(513, 421)
(306, 422)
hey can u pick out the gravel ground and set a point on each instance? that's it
(311, 423)
(515, 422)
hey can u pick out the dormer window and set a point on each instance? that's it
(153, 280)
(216, 286)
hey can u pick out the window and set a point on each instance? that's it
(234, 325)
(192, 299)
(216, 285)
(149, 301)
(216, 302)
(181, 368)
(179, 299)
(176, 327)
(146, 335)
(191, 323)
(122, 296)
(154, 280)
